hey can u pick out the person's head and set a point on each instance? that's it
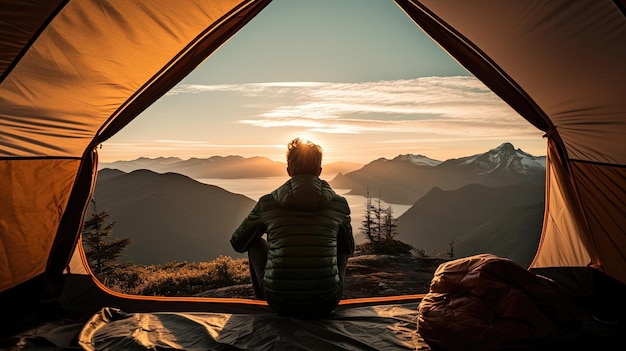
(303, 158)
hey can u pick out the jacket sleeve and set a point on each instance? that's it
(250, 229)
(345, 239)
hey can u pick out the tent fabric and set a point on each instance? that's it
(73, 73)
(560, 65)
(383, 327)
(359, 326)
(33, 207)
(565, 222)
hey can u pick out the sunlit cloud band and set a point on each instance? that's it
(444, 106)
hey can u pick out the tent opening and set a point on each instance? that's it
(410, 138)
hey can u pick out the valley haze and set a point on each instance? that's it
(489, 202)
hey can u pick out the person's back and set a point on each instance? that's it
(301, 269)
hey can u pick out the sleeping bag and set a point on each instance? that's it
(485, 302)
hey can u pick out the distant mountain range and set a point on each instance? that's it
(491, 202)
(406, 178)
(170, 217)
(225, 167)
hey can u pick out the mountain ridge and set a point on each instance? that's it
(223, 167)
(170, 216)
(403, 181)
(442, 216)
(470, 190)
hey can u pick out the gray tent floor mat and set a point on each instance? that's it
(386, 327)
(379, 327)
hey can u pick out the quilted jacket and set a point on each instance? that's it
(306, 224)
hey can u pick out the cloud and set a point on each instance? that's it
(438, 115)
(182, 145)
(442, 106)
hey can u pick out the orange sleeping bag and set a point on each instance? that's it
(485, 302)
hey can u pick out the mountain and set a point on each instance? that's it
(406, 178)
(395, 179)
(418, 160)
(224, 167)
(156, 164)
(334, 168)
(170, 217)
(441, 216)
(488, 202)
(513, 233)
(228, 167)
(503, 165)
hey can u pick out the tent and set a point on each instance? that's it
(73, 73)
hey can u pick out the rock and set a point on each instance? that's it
(367, 276)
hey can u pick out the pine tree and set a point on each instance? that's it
(389, 225)
(380, 228)
(101, 252)
(367, 224)
(372, 226)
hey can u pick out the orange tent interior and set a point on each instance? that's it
(68, 83)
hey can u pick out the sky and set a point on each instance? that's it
(357, 77)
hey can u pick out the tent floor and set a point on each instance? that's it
(379, 327)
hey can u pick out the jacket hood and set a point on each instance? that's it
(304, 192)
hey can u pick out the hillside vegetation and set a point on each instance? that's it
(177, 278)
(368, 276)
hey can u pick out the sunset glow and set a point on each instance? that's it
(398, 93)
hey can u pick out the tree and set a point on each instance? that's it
(378, 224)
(380, 237)
(368, 224)
(451, 248)
(379, 227)
(102, 252)
(389, 228)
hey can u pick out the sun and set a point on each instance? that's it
(326, 144)
(307, 136)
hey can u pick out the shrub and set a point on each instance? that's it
(177, 278)
(225, 271)
(385, 247)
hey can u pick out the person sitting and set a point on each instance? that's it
(300, 269)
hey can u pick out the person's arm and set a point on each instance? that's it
(250, 229)
(345, 239)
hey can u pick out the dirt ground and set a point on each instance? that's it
(385, 275)
(368, 276)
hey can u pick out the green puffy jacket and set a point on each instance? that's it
(306, 224)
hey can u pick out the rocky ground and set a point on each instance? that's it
(385, 275)
(368, 276)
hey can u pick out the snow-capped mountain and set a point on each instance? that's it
(406, 178)
(418, 160)
(505, 158)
